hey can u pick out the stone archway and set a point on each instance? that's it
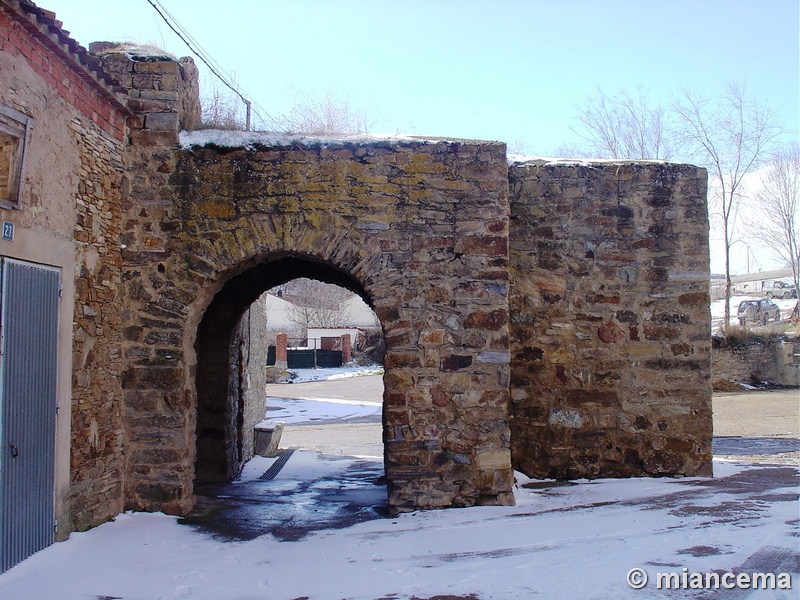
(222, 420)
(419, 228)
(568, 299)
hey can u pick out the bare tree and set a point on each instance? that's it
(625, 126)
(221, 109)
(779, 207)
(328, 116)
(731, 136)
(317, 304)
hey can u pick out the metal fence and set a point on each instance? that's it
(307, 358)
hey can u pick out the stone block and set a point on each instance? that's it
(161, 121)
(268, 438)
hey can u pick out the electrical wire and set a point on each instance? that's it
(215, 68)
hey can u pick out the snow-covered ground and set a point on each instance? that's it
(331, 539)
(303, 375)
(574, 540)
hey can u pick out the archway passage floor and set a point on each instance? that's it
(311, 492)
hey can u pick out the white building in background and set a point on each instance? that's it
(359, 314)
(758, 284)
(356, 311)
(278, 313)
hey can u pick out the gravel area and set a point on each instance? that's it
(758, 426)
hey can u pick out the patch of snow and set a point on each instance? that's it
(296, 411)
(303, 375)
(250, 139)
(133, 51)
(515, 159)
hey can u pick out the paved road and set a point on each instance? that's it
(346, 439)
(367, 388)
(762, 427)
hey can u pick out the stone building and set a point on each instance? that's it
(550, 317)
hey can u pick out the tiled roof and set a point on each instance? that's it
(43, 25)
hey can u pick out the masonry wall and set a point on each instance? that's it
(97, 446)
(753, 362)
(69, 217)
(609, 320)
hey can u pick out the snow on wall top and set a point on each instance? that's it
(518, 159)
(249, 139)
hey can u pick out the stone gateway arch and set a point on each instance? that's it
(419, 230)
(545, 316)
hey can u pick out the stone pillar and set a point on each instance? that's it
(163, 93)
(281, 342)
(347, 348)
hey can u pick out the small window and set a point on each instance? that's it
(14, 133)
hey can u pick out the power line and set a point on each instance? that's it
(195, 47)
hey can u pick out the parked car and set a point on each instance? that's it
(758, 312)
(780, 289)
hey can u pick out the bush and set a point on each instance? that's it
(737, 336)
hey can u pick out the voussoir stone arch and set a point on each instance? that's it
(229, 388)
(420, 229)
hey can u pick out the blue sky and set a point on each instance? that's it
(507, 69)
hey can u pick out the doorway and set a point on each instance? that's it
(29, 325)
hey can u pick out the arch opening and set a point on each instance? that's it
(333, 350)
(229, 401)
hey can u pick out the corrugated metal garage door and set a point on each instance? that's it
(28, 346)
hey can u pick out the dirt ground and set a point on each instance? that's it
(773, 413)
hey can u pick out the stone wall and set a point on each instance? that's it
(228, 442)
(163, 92)
(583, 301)
(248, 380)
(753, 362)
(609, 320)
(607, 293)
(97, 442)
